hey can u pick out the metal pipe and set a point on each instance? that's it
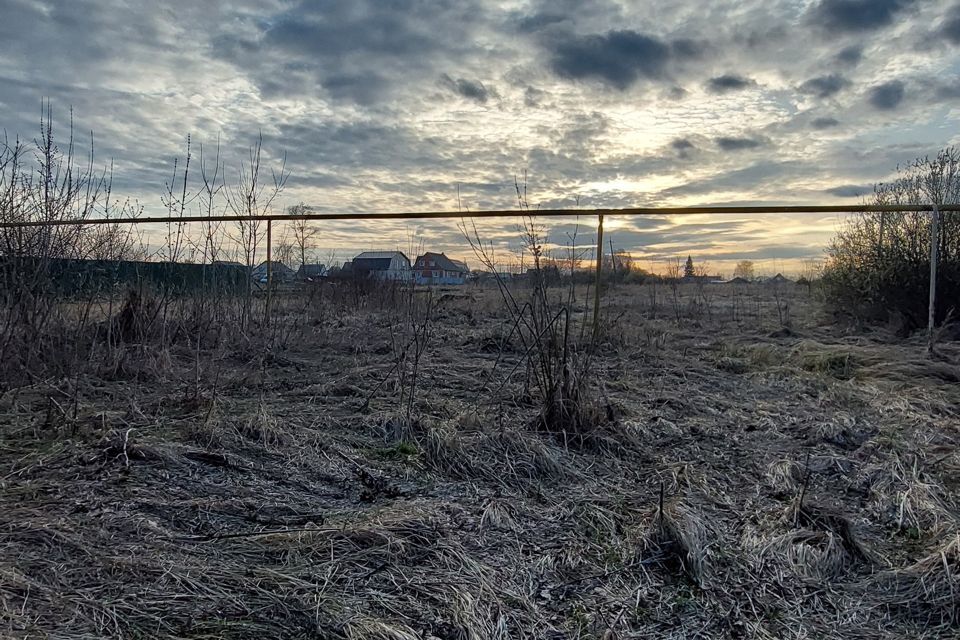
(596, 293)
(934, 249)
(504, 213)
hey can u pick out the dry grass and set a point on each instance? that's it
(750, 483)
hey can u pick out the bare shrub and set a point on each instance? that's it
(557, 354)
(878, 266)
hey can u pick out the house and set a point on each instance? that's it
(281, 272)
(701, 279)
(437, 268)
(382, 265)
(311, 272)
(738, 280)
(778, 279)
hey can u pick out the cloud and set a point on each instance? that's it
(358, 51)
(856, 16)
(728, 82)
(850, 190)
(470, 89)
(950, 29)
(825, 86)
(824, 123)
(538, 21)
(617, 58)
(949, 91)
(738, 144)
(887, 96)
(683, 147)
(851, 55)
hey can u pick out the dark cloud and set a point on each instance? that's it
(470, 89)
(824, 123)
(738, 144)
(825, 86)
(538, 21)
(851, 55)
(950, 29)
(849, 190)
(887, 96)
(949, 91)
(617, 58)
(852, 16)
(683, 147)
(533, 97)
(729, 82)
(736, 180)
(347, 50)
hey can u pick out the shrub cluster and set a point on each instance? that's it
(878, 266)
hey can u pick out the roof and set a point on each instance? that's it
(443, 262)
(380, 254)
(371, 264)
(278, 268)
(310, 270)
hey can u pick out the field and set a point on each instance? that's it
(381, 470)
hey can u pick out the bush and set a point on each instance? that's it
(878, 265)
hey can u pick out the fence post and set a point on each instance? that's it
(269, 270)
(934, 249)
(596, 293)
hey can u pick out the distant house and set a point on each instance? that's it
(700, 279)
(227, 263)
(488, 276)
(548, 274)
(737, 280)
(778, 279)
(311, 272)
(281, 272)
(381, 265)
(437, 268)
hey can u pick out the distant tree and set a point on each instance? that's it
(744, 269)
(688, 270)
(303, 233)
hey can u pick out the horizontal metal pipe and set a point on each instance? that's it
(505, 213)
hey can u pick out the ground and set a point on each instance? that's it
(763, 471)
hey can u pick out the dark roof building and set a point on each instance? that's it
(308, 272)
(437, 268)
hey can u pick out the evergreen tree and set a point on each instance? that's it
(688, 268)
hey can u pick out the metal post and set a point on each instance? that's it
(596, 294)
(269, 270)
(934, 249)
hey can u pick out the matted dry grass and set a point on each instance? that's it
(759, 483)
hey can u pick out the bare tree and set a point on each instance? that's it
(303, 232)
(744, 269)
(251, 198)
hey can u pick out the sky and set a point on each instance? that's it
(407, 105)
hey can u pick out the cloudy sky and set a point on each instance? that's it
(395, 104)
